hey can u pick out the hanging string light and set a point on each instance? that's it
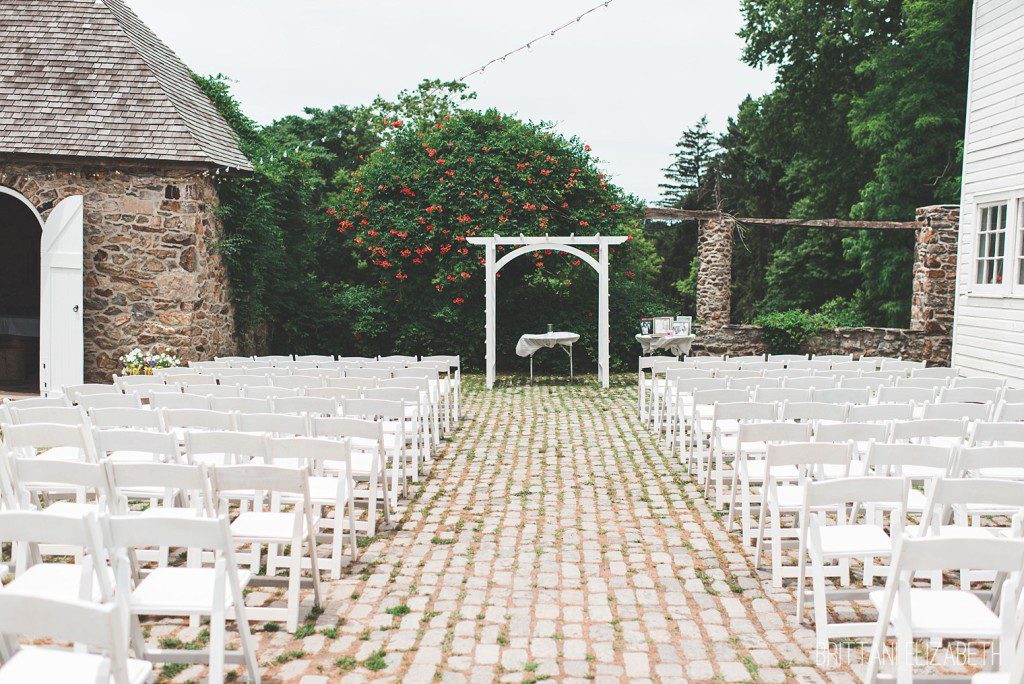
(525, 47)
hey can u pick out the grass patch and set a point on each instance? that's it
(305, 630)
(442, 541)
(172, 670)
(288, 657)
(376, 661)
(330, 632)
(272, 627)
(346, 663)
(398, 610)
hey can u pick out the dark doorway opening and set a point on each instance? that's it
(19, 297)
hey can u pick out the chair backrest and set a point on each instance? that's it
(1014, 395)
(91, 401)
(781, 394)
(43, 527)
(316, 452)
(59, 415)
(790, 372)
(744, 410)
(741, 373)
(190, 379)
(297, 382)
(402, 394)
(133, 531)
(336, 394)
(1001, 433)
(128, 479)
(748, 358)
(838, 375)
(973, 395)
(218, 390)
(923, 430)
(161, 446)
(124, 381)
(852, 366)
(870, 384)
(271, 359)
(354, 428)
(885, 457)
(891, 375)
(900, 365)
(812, 411)
(314, 358)
(352, 383)
(935, 384)
(101, 626)
(73, 392)
(716, 365)
(956, 411)
(239, 446)
(880, 413)
(250, 380)
(197, 419)
(851, 432)
(368, 373)
(33, 402)
(278, 424)
(181, 401)
(140, 418)
(832, 357)
(856, 490)
(306, 406)
(905, 395)
(810, 382)
(34, 474)
(268, 392)
(920, 554)
(1007, 411)
(787, 358)
(842, 395)
(682, 373)
(377, 408)
(202, 366)
(148, 390)
(936, 372)
(751, 384)
(708, 398)
(986, 383)
(229, 479)
(241, 404)
(1003, 462)
(995, 495)
(807, 454)
(692, 385)
(30, 438)
(773, 432)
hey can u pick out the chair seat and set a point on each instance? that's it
(951, 613)
(854, 540)
(170, 511)
(265, 526)
(63, 453)
(53, 580)
(72, 508)
(35, 664)
(790, 497)
(322, 491)
(1002, 473)
(177, 591)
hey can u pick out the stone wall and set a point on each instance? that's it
(746, 340)
(152, 279)
(934, 293)
(714, 271)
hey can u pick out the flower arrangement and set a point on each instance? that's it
(136, 362)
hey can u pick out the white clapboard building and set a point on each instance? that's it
(988, 332)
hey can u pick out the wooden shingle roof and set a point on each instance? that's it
(86, 78)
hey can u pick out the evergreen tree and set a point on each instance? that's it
(688, 179)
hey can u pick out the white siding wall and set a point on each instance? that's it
(988, 332)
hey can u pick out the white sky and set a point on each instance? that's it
(627, 79)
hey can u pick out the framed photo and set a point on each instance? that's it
(646, 326)
(662, 325)
(682, 325)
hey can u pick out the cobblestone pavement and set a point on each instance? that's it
(553, 539)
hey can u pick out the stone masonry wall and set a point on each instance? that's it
(934, 293)
(152, 279)
(714, 271)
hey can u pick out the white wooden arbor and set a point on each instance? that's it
(570, 245)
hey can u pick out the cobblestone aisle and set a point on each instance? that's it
(552, 540)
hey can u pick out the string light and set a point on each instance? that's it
(527, 47)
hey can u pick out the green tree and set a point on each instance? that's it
(689, 180)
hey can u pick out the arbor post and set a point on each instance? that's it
(714, 271)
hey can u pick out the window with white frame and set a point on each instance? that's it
(989, 257)
(1019, 223)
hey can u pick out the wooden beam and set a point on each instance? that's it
(666, 214)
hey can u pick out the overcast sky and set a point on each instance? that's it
(627, 79)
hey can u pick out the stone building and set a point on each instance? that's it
(94, 105)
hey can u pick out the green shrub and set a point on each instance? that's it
(785, 332)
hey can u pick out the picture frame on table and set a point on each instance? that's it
(646, 326)
(662, 325)
(682, 326)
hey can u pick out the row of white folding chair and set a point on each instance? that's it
(145, 449)
(838, 521)
(52, 598)
(73, 436)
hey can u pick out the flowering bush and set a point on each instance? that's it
(136, 362)
(408, 210)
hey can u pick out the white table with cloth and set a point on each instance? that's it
(676, 345)
(529, 344)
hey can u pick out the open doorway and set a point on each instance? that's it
(19, 295)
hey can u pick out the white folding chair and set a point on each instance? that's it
(114, 418)
(215, 448)
(178, 421)
(971, 395)
(831, 530)
(99, 626)
(368, 458)
(935, 372)
(779, 395)
(73, 392)
(752, 384)
(748, 470)
(268, 393)
(392, 416)
(901, 365)
(814, 382)
(369, 373)
(861, 435)
(814, 412)
(241, 404)
(783, 494)
(726, 419)
(936, 431)
(331, 485)
(93, 401)
(880, 413)
(215, 591)
(957, 411)
(60, 441)
(701, 422)
(314, 358)
(264, 525)
(935, 384)
(417, 424)
(938, 614)
(986, 383)
(171, 400)
(788, 358)
(306, 406)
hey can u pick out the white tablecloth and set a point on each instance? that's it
(529, 344)
(676, 345)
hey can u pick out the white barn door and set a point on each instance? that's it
(61, 337)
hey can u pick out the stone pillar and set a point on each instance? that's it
(931, 307)
(714, 271)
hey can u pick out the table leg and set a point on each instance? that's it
(531, 369)
(570, 363)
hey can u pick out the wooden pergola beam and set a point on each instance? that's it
(664, 214)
